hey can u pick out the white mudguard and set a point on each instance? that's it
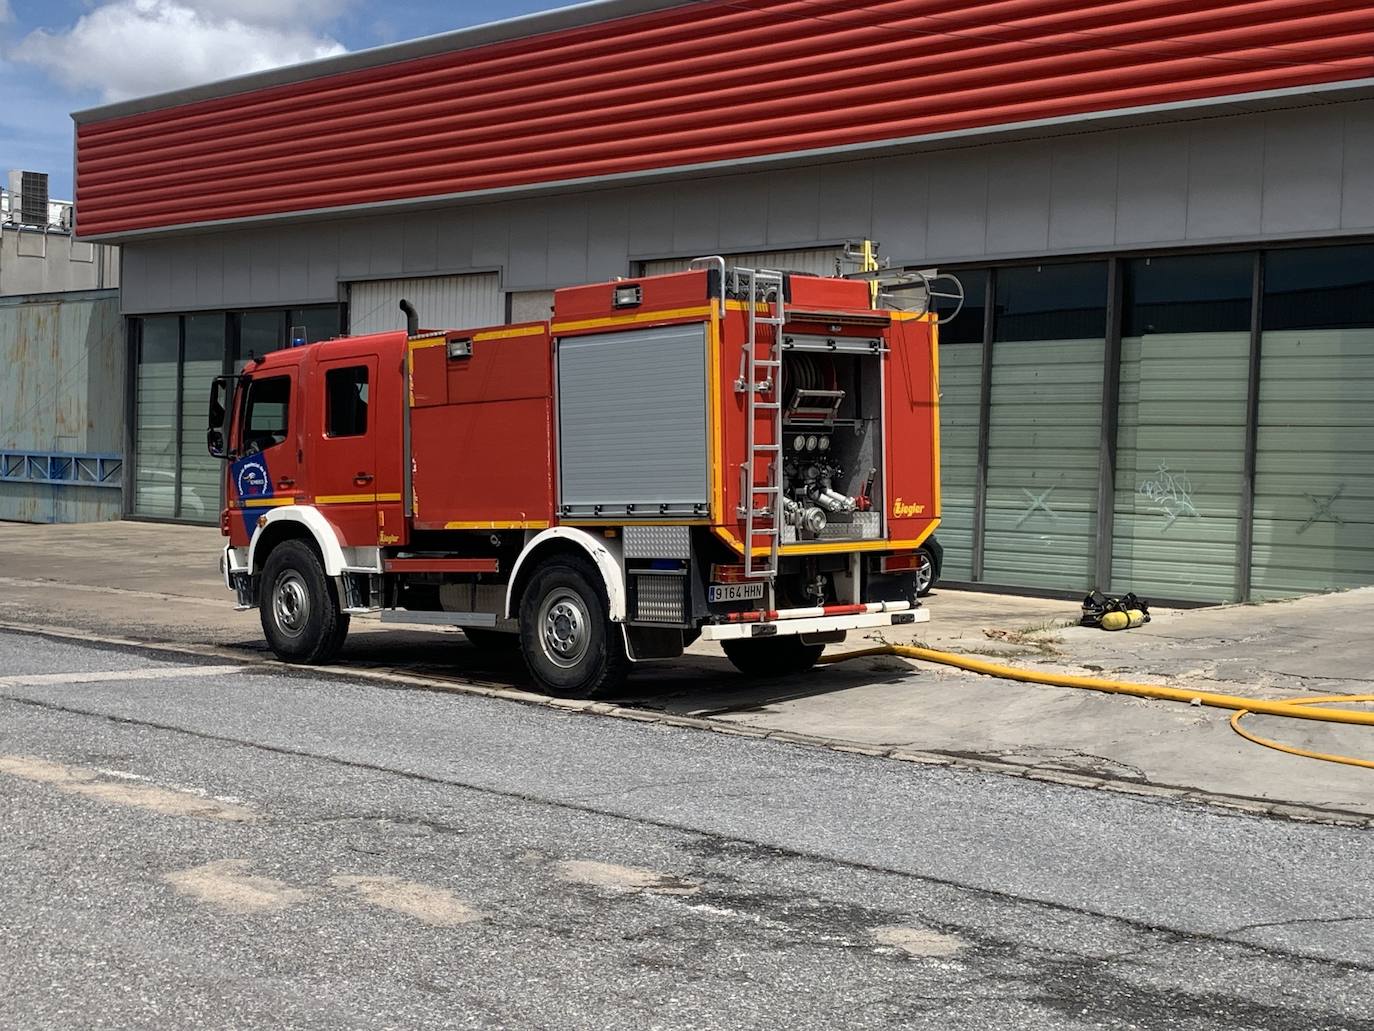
(314, 521)
(604, 553)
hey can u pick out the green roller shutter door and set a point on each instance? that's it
(1314, 474)
(1179, 474)
(961, 368)
(1044, 432)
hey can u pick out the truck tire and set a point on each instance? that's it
(570, 646)
(772, 656)
(301, 616)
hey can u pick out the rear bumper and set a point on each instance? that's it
(814, 621)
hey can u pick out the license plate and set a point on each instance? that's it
(734, 592)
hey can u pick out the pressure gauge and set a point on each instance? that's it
(800, 443)
(811, 443)
(823, 444)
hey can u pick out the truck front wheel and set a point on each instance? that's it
(569, 644)
(772, 656)
(299, 606)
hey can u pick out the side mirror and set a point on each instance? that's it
(220, 391)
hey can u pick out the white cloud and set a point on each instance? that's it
(131, 48)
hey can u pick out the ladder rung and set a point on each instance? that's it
(767, 447)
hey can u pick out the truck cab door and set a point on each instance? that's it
(343, 462)
(265, 441)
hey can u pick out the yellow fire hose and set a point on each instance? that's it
(1301, 708)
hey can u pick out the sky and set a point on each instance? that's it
(61, 56)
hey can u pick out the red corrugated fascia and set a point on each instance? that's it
(262, 165)
(433, 125)
(315, 145)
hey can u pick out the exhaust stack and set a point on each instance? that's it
(412, 318)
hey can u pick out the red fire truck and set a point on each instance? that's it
(740, 455)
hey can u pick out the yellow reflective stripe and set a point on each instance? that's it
(515, 331)
(498, 524)
(266, 502)
(345, 499)
(416, 345)
(628, 320)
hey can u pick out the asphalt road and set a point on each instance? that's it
(189, 846)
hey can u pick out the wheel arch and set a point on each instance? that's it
(296, 522)
(569, 540)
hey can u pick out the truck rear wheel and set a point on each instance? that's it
(569, 644)
(301, 616)
(772, 656)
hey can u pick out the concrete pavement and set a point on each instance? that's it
(158, 583)
(263, 847)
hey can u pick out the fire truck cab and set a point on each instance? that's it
(742, 455)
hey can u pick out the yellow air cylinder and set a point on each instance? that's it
(1116, 620)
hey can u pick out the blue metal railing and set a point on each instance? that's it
(61, 468)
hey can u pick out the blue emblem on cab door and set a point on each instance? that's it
(251, 480)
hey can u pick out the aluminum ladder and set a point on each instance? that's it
(761, 383)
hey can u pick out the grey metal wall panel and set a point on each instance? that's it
(1357, 172)
(847, 210)
(528, 260)
(567, 246)
(1152, 187)
(420, 243)
(1083, 192)
(453, 238)
(651, 221)
(1302, 171)
(632, 420)
(293, 260)
(608, 237)
(901, 206)
(743, 215)
(1234, 178)
(957, 226)
(1226, 179)
(1018, 200)
(794, 200)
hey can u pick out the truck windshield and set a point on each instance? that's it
(266, 414)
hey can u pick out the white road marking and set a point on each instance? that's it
(73, 780)
(102, 676)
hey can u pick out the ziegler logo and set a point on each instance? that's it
(902, 510)
(252, 480)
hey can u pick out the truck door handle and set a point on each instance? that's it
(285, 483)
(362, 479)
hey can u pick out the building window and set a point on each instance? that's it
(961, 373)
(1180, 443)
(177, 357)
(1044, 425)
(158, 344)
(1314, 471)
(346, 402)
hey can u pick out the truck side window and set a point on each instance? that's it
(345, 406)
(266, 413)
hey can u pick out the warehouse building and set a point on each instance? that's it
(1163, 215)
